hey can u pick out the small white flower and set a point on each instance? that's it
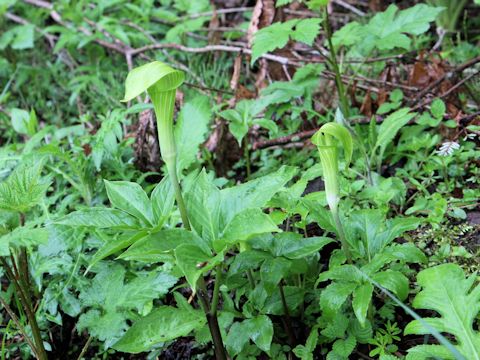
(469, 136)
(447, 148)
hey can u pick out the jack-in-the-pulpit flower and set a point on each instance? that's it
(328, 139)
(161, 81)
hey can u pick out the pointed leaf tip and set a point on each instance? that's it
(155, 73)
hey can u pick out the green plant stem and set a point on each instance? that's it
(368, 161)
(251, 279)
(445, 173)
(220, 352)
(172, 172)
(246, 154)
(212, 320)
(288, 320)
(216, 290)
(85, 348)
(22, 292)
(370, 312)
(342, 95)
(341, 235)
(19, 325)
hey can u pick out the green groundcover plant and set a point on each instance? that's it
(356, 242)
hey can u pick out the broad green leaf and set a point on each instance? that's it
(405, 253)
(273, 271)
(236, 339)
(6, 38)
(389, 29)
(162, 199)
(447, 292)
(154, 247)
(295, 246)
(240, 118)
(238, 130)
(427, 352)
(22, 236)
(109, 291)
(252, 194)
(334, 296)
(268, 124)
(336, 327)
(306, 352)
(258, 329)
(202, 201)
(131, 198)
(394, 281)
(194, 261)
(155, 73)
(191, 129)
(4, 246)
(270, 38)
(107, 327)
(277, 35)
(306, 30)
(294, 296)
(114, 245)
(390, 127)
(24, 188)
(24, 36)
(348, 273)
(342, 348)
(102, 218)
(246, 224)
(374, 231)
(161, 325)
(280, 92)
(438, 108)
(20, 119)
(247, 260)
(362, 296)
(111, 301)
(363, 333)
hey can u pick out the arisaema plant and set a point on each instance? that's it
(161, 82)
(328, 139)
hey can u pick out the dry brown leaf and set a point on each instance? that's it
(366, 108)
(419, 75)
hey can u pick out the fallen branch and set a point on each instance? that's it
(347, 6)
(297, 137)
(437, 82)
(211, 48)
(448, 92)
